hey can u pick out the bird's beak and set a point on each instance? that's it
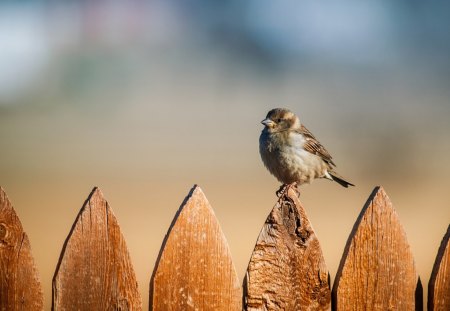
(267, 122)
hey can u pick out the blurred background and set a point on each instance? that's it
(145, 99)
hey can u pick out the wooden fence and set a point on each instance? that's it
(194, 269)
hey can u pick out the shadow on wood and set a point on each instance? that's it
(439, 285)
(194, 270)
(287, 270)
(94, 271)
(377, 270)
(20, 288)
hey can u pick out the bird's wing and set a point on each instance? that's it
(313, 146)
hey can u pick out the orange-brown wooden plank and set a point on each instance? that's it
(20, 288)
(287, 270)
(94, 271)
(439, 285)
(194, 270)
(377, 270)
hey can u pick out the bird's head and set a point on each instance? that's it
(280, 119)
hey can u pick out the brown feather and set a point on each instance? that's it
(313, 146)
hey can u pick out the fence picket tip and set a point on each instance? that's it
(287, 270)
(206, 277)
(164, 242)
(108, 280)
(378, 253)
(94, 192)
(369, 201)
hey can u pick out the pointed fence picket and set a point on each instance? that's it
(287, 270)
(94, 271)
(377, 270)
(20, 288)
(194, 269)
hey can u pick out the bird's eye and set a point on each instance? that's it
(279, 120)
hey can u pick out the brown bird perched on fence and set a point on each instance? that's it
(291, 152)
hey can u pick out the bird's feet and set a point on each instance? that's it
(281, 190)
(284, 188)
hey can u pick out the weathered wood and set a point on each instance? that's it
(194, 270)
(20, 288)
(439, 285)
(377, 270)
(287, 270)
(94, 271)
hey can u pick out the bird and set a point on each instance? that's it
(292, 153)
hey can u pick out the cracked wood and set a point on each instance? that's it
(287, 270)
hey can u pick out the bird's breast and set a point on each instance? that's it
(287, 160)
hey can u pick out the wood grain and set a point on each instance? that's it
(194, 270)
(94, 271)
(439, 285)
(20, 287)
(377, 270)
(287, 270)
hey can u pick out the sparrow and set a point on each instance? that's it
(291, 152)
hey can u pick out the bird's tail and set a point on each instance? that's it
(339, 179)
